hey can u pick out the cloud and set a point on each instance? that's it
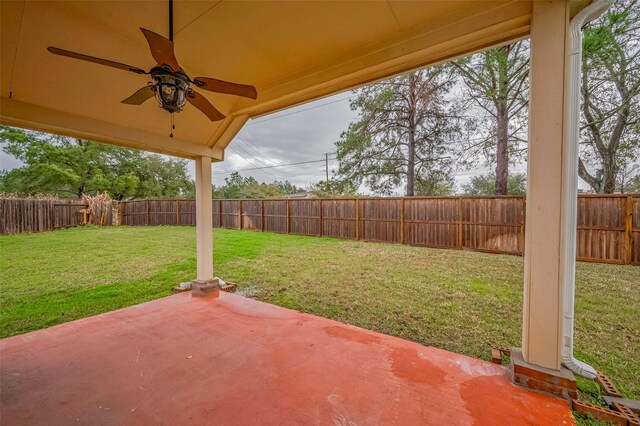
(300, 134)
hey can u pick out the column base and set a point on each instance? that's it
(558, 383)
(201, 288)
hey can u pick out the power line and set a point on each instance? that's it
(301, 170)
(247, 160)
(277, 165)
(308, 177)
(250, 154)
(250, 146)
(301, 110)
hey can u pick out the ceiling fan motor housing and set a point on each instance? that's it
(171, 89)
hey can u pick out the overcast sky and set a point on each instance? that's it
(8, 162)
(300, 134)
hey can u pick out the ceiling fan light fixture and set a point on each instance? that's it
(170, 85)
(171, 91)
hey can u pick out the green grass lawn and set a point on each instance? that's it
(456, 300)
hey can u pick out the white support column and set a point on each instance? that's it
(544, 263)
(204, 219)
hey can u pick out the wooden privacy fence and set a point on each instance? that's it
(608, 225)
(18, 215)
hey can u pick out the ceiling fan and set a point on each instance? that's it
(171, 85)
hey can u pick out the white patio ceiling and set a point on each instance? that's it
(292, 52)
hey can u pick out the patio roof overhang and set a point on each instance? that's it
(292, 52)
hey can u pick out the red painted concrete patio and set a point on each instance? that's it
(232, 360)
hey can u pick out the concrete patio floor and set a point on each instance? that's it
(232, 360)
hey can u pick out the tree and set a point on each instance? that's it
(71, 167)
(237, 186)
(333, 188)
(628, 176)
(496, 82)
(165, 178)
(633, 185)
(610, 135)
(403, 133)
(436, 182)
(485, 185)
(286, 187)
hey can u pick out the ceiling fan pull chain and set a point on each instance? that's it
(173, 126)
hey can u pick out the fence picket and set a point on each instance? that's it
(607, 224)
(20, 215)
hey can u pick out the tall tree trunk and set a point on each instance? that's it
(411, 163)
(502, 123)
(411, 160)
(610, 172)
(502, 151)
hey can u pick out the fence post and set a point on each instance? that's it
(177, 212)
(523, 221)
(262, 215)
(148, 212)
(460, 224)
(288, 216)
(321, 223)
(403, 237)
(121, 207)
(241, 217)
(357, 219)
(628, 231)
(52, 215)
(220, 213)
(363, 234)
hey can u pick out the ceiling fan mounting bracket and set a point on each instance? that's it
(158, 71)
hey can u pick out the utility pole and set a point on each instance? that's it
(326, 165)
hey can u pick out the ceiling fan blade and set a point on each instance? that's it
(161, 49)
(200, 102)
(93, 59)
(140, 96)
(221, 86)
